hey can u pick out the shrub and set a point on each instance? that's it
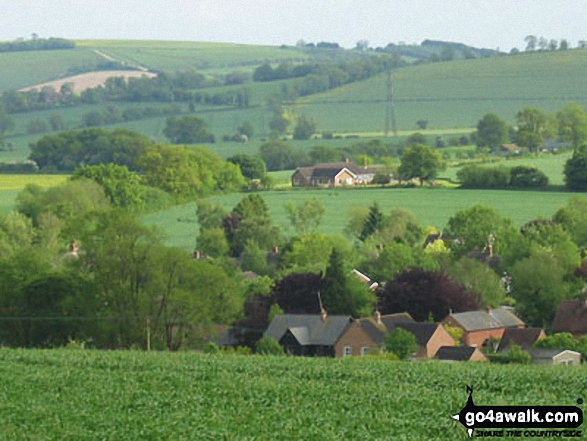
(475, 176)
(268, 346)
(401, 342)
(527, 177)
(211, 348)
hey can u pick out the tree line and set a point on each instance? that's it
(36, 44)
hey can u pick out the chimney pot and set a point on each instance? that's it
(323, 314)
(378, 317)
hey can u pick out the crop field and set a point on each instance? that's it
(170, 56)
(22, 69)
(88, 395)
(432, 206)
(455, 94)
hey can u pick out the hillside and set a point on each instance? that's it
(455, 94)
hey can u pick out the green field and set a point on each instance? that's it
(90, 395)
(170, 56)
(432, 206)
(455, 94)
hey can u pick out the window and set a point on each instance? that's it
(364, 350)
(348, 350)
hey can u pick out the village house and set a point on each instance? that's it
(571, 317)
(481, 326)
(460, 353)
(336, 174)
(523, 337)
(429, 336)
(511, 149)
(320, 335)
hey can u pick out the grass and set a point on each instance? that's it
(88, 395)
(432, 206)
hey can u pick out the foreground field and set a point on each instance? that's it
(88, 395)
(431, 206)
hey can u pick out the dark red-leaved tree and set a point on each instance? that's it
(298, 293)
(423, 294)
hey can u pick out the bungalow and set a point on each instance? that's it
(554, 356)
(429, 336)
(524, 337)
(480, 326)
(320, 335)
(571, 317)
(460, 353)
(336, 174)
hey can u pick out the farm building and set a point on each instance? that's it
(336, 174)
(480, 326)
(460, 353)
(429, 336)
(571, 317)
(320, 335)
(554, 356)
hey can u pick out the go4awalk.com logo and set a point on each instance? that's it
(520, 421)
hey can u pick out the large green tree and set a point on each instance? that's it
(491, 131)
(187, 130)
(572, 124)
(576, 170)
(533, 126)
(421, 162)
(307, 216)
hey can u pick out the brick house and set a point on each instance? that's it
(320, 335)
(481, 326)
(524, 337)
(429, 336)
(335, 174)
(571, 317)
(460, 353)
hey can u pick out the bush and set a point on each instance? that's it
(211, 348)
(475, 176)
(268, 346)
(401, 342)
(527, 177)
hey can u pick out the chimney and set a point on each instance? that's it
(323, 314)
(346, 160)
(197, 254)
(488, 310)
(378, 317)
(275, 249)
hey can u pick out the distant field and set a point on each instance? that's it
(21, 69)
(134, 395)
(176, 55)
(431, 206)
(455, 94)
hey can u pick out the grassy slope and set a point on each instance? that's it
(458, 93)
(83, 395)
(431, 207)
